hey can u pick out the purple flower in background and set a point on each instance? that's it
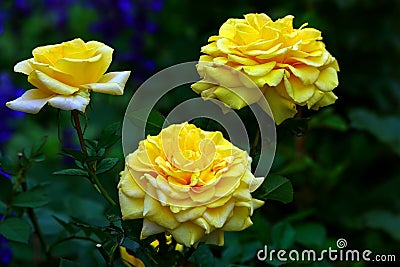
(60, 10)
(5, 250)
(128, 18)
(7, 92)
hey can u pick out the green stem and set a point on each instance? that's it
(92, 172)
(33, 218)
(255, 143)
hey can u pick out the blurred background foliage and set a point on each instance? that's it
(342, 160)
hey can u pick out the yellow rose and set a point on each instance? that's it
(191, 183)
(290, 66)
(65, 73)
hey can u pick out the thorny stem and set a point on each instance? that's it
(92, 172)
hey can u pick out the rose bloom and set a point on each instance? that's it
(190, 183)
(64, 74)
(290, 66)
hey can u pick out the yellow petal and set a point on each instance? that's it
(157, 213)
(150, 228)
(190, 214)
(200, 86)
(77, 101)
(187, 233)
(24, 67)
(259, 70)
(45, 82)
(281, 108)
(327, 80)
(218, 216)
(241, 60)
(257, 203)
(129, 259)
(300, 91)
(31, 101)
(215, 238)
(257, 21)
(112, 83)
(315, 98)
(131, 208)
(239, 221)
(273, 78)
(129, 186)
(327, 99)
(307, 74)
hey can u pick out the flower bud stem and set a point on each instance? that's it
(92, 172)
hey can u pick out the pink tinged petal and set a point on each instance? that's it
(259, 70)
(327, 99)
(218, 216)
(190, 214)
(150, 228)
(77, 101)
(23, 67)
(327, 80)
(215, 238)
(281, 108)
(239, 221)
(187, 234)
(273, 78)
(307, 74)
(112, 83)
(47, 83)
(31, 101)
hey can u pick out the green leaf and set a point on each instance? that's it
(326, 118)
(75, 154)
(38, 146)
(67, 263)
(203, 257)
(110, 135)
(385, 221)
(15, 229)
(106, 165)
(276, 187)
(34, 198)
(283, 235)
(310, 234)
(67, 226)
(154, 122)
(72, 172)
(385, 129)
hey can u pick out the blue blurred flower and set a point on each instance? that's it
(5, 250)
(7, 92)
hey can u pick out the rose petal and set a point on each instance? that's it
(45, 82)
(239, 221)
(281, 108)
(31, 101)
(23, 67)
(308, 75)
(218, 216)
(327, 79)
(77, 101)
(112, 83)
(187, 233)
(150, 228)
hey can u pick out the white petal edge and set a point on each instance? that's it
(69, 102)
(23, 67)
(112, 83)
(32, 101)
